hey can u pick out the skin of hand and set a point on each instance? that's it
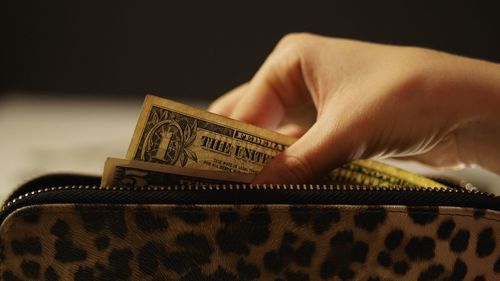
(348, 100)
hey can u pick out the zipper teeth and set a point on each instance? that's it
(250, 187)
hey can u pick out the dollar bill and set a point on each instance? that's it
(375, 173)
(171, 133)
(175, 134)
(131, 173)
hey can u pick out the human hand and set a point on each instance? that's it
(349, 100)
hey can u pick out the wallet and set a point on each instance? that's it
(67, 227)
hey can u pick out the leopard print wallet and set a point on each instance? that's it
(53, 230)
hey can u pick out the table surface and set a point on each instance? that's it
(42, 135)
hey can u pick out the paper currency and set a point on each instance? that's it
(374, 173)
(170, 133)
(130, 173)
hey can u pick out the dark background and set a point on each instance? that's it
(201, 49)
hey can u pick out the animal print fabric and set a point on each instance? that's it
(244, 242)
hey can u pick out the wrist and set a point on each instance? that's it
(472, 91)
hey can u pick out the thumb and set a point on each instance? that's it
(319, 150)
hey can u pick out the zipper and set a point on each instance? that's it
(235, 186)
(240, 193)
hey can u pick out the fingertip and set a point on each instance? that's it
(285, 168)
(219, 108)
(268, 176)
(270, 173)
(225, 104)
(260, 109)
(292, 130)
(262, 178)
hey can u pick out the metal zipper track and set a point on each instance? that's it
(252, 187)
